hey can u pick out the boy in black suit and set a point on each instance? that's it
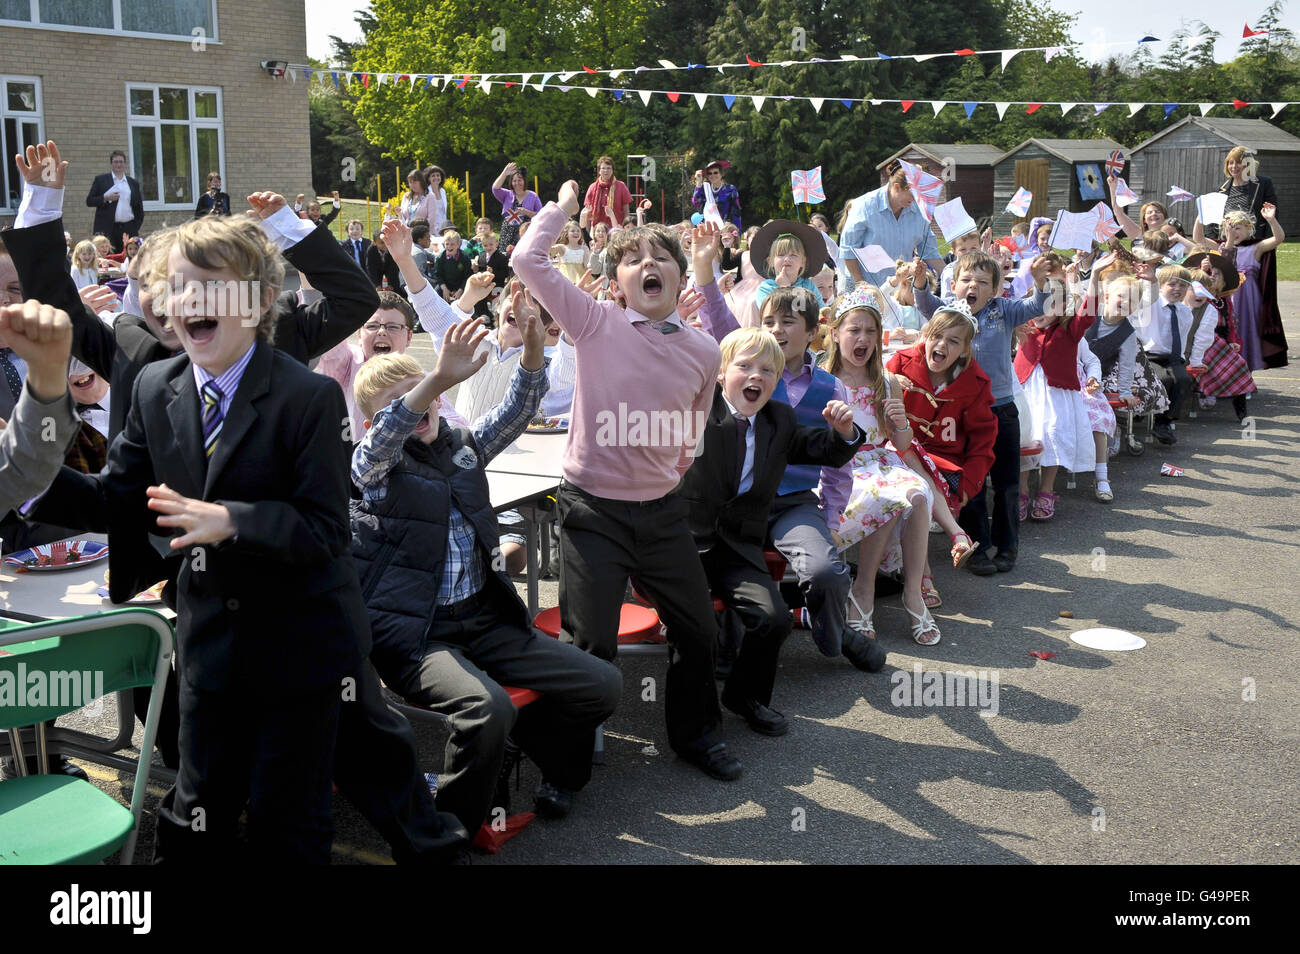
(747, 444)
(356, 244)
(241, 450)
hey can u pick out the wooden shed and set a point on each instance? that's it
(966, 168)
(1190, 153)
(1047, 168)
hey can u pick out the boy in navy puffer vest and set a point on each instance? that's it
(449, 627)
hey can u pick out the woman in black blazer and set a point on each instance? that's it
(214, 201)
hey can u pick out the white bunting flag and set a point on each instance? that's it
(1006, 57)
(565, 77)
(1001, 108)
(1066, 107)
(1206, 107)
(701, 99)
(758, 102)
(938, 105)
(817, 105)
(645, 96)
(669, 65)
(591, 91)
(1134, 109)
(1277, 108)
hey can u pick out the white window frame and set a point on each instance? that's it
(156, 122)
(38, 117)
(35, 24)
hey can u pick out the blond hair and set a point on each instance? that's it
(380, 373)
(1238, 217)
(1171, 272)
(761, 343)
(875, 367)
(945, 319)
(1243, 155)
(786, 245)
(85, 245)
(235, 244)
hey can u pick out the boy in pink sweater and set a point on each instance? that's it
(645, 384)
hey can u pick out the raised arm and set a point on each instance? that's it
(1269, 211)
(574, 310)
(1131, 228)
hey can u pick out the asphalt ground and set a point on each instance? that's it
(1182, 752)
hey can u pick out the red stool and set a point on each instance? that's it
(636, 624)
(776, 565)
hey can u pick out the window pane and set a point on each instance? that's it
(144, 149)
(209, 152)
(9, 142)
(141, 102)
(174, 103)
(178, 174)
(83, 13)
(205, 105)
(173, 17)
(21, 97)
(16, 10)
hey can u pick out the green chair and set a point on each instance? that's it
(56, 819)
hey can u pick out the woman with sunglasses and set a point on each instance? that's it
(726, 195)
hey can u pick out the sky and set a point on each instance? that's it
(1099, 20)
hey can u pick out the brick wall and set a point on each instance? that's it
(84, 76)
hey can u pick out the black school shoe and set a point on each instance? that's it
(865, 654)
(1164, 433)
(761, 719)
(1005, 562)
(715, 761)
(552, 801)
(58, 766)
(981, 565)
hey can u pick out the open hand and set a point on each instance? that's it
(590, 283)
(397, 237)
(456, 361)
(1268, 210)
(689, 303)
(1040, 268)
(203, 522)
(266, 204)
(706, 246)
(41, 165)
(98, 298)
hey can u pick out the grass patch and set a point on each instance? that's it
(1288, 262)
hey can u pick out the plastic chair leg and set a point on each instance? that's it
(598, 755)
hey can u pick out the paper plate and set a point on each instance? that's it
(41, 559)
(548, 425)
(147, 597)
(1115, 640)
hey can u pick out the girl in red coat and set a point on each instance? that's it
(949, 401)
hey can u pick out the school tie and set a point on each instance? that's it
(1175, 337)
(742, 431)
(356, 250)
(11, 374)
(211, 416)
(666, 328)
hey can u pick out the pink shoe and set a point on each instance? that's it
(1045, 506)
(1024, 507)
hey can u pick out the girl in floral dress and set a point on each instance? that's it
(887, 515)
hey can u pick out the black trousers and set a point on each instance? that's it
(604, 542)
(275, 754)
(1178, 384)
(466, 663)
(755, 599)
(1005, 474)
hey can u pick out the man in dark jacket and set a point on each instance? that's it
(117, 201)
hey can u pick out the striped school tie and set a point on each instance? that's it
(211, 416)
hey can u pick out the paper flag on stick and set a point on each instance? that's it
(807, 185)
(1115, 164)
(1019, 204)
(875, 259)
(926, 189)
(1201, 291)
(711, 214)
(1210, 207)
(1106, 227)
(1074, 230)
(953, 219)
(1169, 470)
(1176, 194)
(1124, 196)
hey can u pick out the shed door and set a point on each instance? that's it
(1031, 174)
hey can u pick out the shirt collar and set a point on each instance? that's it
(636, 316)
(806, 368)
(732, 409)
(229, 379)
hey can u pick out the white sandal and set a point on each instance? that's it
(862, 625)
(923, 624)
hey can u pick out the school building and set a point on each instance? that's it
(178, 85)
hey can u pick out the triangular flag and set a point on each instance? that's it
(1099, 108)
(669, 65)
(673, 97)
(883, 56)
(964, 52)
(565, 77)
(1169, 108)
(938, 105)
(758, 102)
(1006, 57)
(564, 89)
(1001, 108)
(817, 104)
(1052, 51)
(524, 78)
(922, 57)
(379, 80)
(1033, 108)
(365, 80)
(645, 96)
(335, 75)
(1206, 107)
(1134, 109)
(591, 90)
(728, 100)
(1247, 32)
(970, 108)
(1277, 108)
(615, 74)
(513, 83)
(1239, 103)
(588, 69)
(751, 61)
(701, 99)
(1066, 107)
(908, 104)
(849, 56)
(618, 93)
(1149, 39)
(546, 78)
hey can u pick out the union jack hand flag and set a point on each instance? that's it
(926, 189)
(807, 185)
(1115, 164)
(513, 217)
(1107, 227)
(1178, 195)
(1019, 204)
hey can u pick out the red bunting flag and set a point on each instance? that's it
(365, 80)
(588, 69)
(907, 104)
(508, 85)
(964, 52)
(1033, 108)
(1040, 654)
(751, 61)
(1247, 32)
(1239, 103)
(673, 97)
